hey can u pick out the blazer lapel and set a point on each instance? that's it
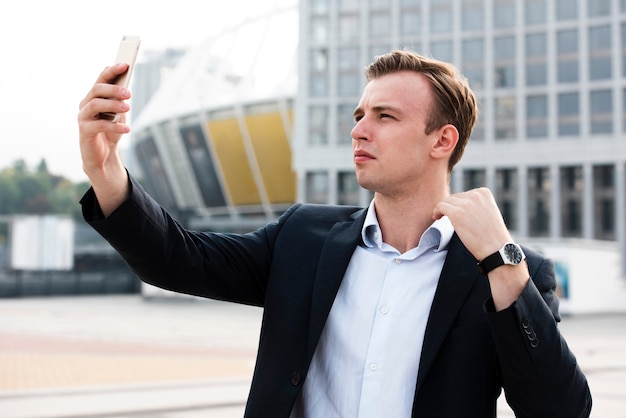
(334, 259)
(455, 283)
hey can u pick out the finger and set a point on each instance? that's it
(439, 211)
(93, 109)
(104, 87)
(95, 127)
(109, 74)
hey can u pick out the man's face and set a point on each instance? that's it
(391, 149)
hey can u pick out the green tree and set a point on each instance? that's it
(23, 191)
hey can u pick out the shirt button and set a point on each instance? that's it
(384, 310)
(373, 367)
(398, 261)
(295, 379)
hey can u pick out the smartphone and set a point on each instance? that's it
(127, 54)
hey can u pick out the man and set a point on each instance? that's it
(370, 312)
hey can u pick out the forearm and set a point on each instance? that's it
(110, 185)
(540, 374)
(507, 284)
(162, 253)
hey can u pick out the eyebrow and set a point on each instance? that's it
(377, 109)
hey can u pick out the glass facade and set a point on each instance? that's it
(571, 193)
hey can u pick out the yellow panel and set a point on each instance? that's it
(231, 154)
(273, 153)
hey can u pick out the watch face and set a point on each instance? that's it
(513, 253)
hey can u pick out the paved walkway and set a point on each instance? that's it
(122, 356)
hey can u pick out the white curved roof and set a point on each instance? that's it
(252, 61)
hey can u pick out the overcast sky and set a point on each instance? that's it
(52, 52)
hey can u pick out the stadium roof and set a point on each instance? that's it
(250, 62)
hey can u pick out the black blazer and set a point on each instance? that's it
(293, 268)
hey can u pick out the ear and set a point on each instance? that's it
(447, 137)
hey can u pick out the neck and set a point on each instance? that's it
(403, 219)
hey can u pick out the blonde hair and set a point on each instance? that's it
(454, 101)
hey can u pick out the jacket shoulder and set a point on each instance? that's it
(324, 213)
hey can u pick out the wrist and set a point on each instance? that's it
(507, 283)
(111, 187)
(508, 254)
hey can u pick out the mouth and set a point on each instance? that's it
(362, 156)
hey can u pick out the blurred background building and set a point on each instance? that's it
(260, 117)
(231, 132)
(213, 143)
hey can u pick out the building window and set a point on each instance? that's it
(473, 16)
(441, 21)
(378, 49)
(600, 53)
(348, 5)
(506, 195)
(478, 133)
(536, 61)
(345, 123)
(624, 109)
(601, 107)
(567, 50)
(318, 78)
(599, 7)
(442, 50)
(380, 25)
(505, 121)
(348, 189)
(504, 55)
(349, 85)
(504, 14)
(535, 11)
(537, 116)
(569, 114)
(318, 125)
(473, 61)
(566, 9)
(319, 29)
(571, 179)
(317, 187)
(410, 22)
(473, 179)
(348, 27)
(379, 4)
(604, 202)
(350, 72)
(624, 48)
(319, 7)
(539, 201)
(348, 59)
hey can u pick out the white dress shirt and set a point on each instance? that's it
(367, 359)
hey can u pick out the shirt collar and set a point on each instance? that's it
(437, 235)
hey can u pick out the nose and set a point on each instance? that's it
(359, 131)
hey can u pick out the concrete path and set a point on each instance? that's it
(123, 356)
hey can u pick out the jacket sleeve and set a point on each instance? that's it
(162, 253)
(540, 374)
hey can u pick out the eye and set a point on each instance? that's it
(357, 118)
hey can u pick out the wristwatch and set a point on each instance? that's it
(510, 253)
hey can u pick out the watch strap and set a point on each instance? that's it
(490, 262)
